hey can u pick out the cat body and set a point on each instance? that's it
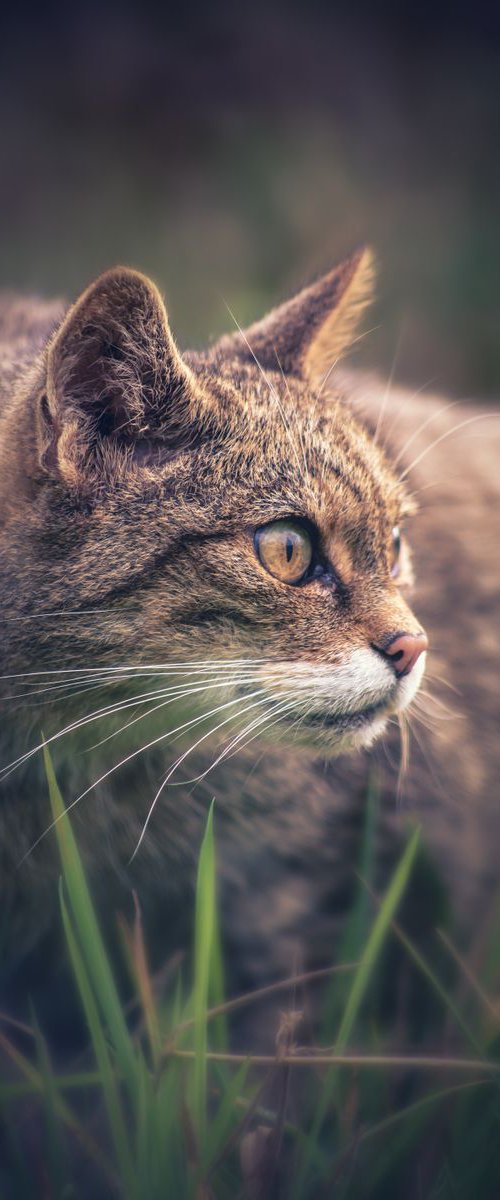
(152, 507)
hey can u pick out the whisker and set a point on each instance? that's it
(238, 744)
(428, 723)
(257, 722)
(297, 423)
(400, 413)
(404, 734)
(436, 483)
(147, 669)
(106, 711)
(276, 719)
(448, 713)
(334, 364)
(433, 417)
(182, 759)
(69, 612)
(429, 760)
(272, 389)
(431, 675)
(448, 433)
(74, 726)
(172, 699)
(390, 380)
(57, 691)
(425, 719)
(128, 758)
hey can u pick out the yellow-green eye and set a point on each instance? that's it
(285, 550)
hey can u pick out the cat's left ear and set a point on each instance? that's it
(308, 334)
(115, 380)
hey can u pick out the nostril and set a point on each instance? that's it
(403, 650)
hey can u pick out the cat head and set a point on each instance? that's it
(223, 510)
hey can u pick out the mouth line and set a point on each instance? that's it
(353, 720)
(343, 722)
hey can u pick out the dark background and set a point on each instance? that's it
(231, 151)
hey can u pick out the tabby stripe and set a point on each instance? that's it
(147, 576)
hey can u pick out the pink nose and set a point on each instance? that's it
(404, 650)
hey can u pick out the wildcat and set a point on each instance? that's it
(215, 547)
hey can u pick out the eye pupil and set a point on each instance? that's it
(289, 549)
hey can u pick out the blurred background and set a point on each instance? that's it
(233, 151)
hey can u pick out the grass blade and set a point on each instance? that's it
(226, 1115)
(203, 972)
(375, 941)
(137, 962)
(56, 1157)
(108, 1079)
(35, 1081)
(358, 990)
(89, 935)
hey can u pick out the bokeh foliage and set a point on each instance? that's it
(233, 150)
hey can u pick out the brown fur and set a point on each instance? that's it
(131, 480)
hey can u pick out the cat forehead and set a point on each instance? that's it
(262, 406)
(299, 448)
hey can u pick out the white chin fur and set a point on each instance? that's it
(358, 739)
(343, 690)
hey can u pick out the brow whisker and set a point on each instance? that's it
(298, 429)
(448, 433)
(272, 389)
(388, 386)
(433, 417)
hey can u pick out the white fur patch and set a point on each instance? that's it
(336, 695)
(359, 681)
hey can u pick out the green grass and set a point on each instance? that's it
(162, 1105)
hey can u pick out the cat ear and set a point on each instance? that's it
(115, 379)
(309, 333)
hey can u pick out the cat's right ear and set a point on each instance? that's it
(307, 335)
(115, 381)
